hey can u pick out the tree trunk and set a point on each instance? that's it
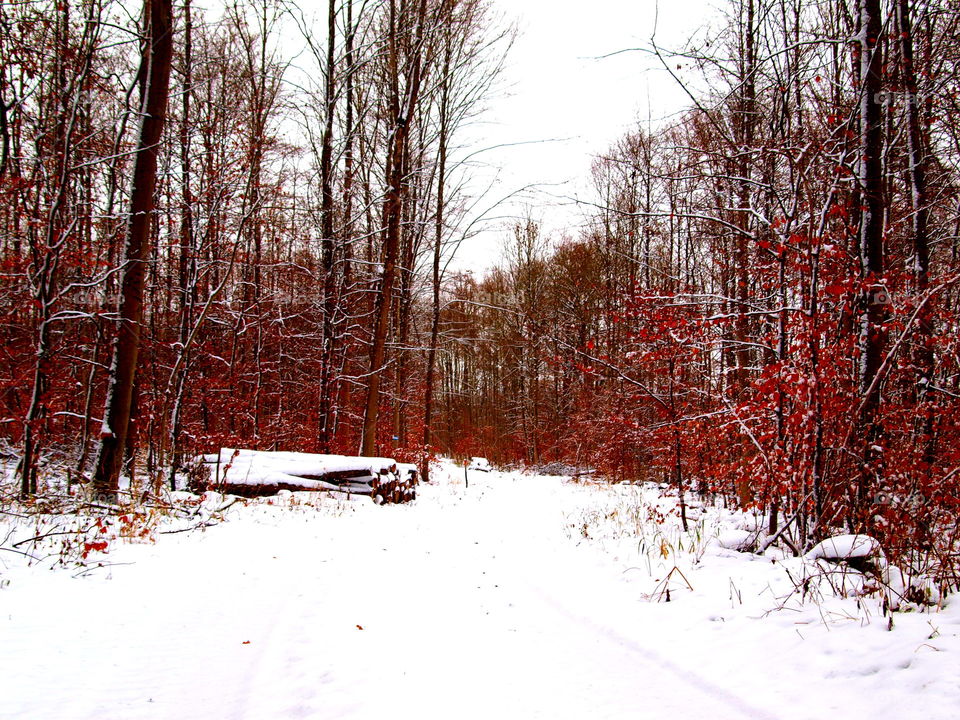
(326, 230)
(188, 257)
(437, 252)
(158, 51)
(919, 261)
(746, 121)
(402, 109)
(872, 339)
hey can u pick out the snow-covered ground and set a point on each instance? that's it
(515, 597)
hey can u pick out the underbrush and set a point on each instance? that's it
(65, 527)
(640, 525)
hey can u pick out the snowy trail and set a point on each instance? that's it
(457, 606)
(467, 615)
(470, 603)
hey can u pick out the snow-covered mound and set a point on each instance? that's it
(736, 539)
(864, 553)
(846, 547)
(479, 463)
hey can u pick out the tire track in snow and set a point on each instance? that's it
(556, 579)
(513, 544)
(697, 684)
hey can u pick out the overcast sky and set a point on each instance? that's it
(571, 103)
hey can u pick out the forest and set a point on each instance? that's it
(207, 243)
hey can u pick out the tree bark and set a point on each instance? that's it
(919, 260)
(158, 52)
(873, 299)
(402, 109)
(746, 122)
(188, 257)
(437, 253)
(326, 230)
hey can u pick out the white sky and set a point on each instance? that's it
(559, 92)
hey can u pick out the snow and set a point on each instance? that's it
(253, 467)
(846, 547)
(519, 597)
(479, 463)
(239, 467)
(407, 470)
(736, 539)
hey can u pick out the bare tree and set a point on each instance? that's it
(157, 58)
(405, 60)
(874, 298)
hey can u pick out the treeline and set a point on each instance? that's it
(763, 305)
(765, 302)
(307, 195)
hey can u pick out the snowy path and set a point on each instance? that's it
(467, 604)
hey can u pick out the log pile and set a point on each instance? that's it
(250, 473)
(398, 486)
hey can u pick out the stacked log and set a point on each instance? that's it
(398, 486)
(250, 473)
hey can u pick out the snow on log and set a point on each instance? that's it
(739, 540)
(408, 471)
(846, 547)
(252, 473)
